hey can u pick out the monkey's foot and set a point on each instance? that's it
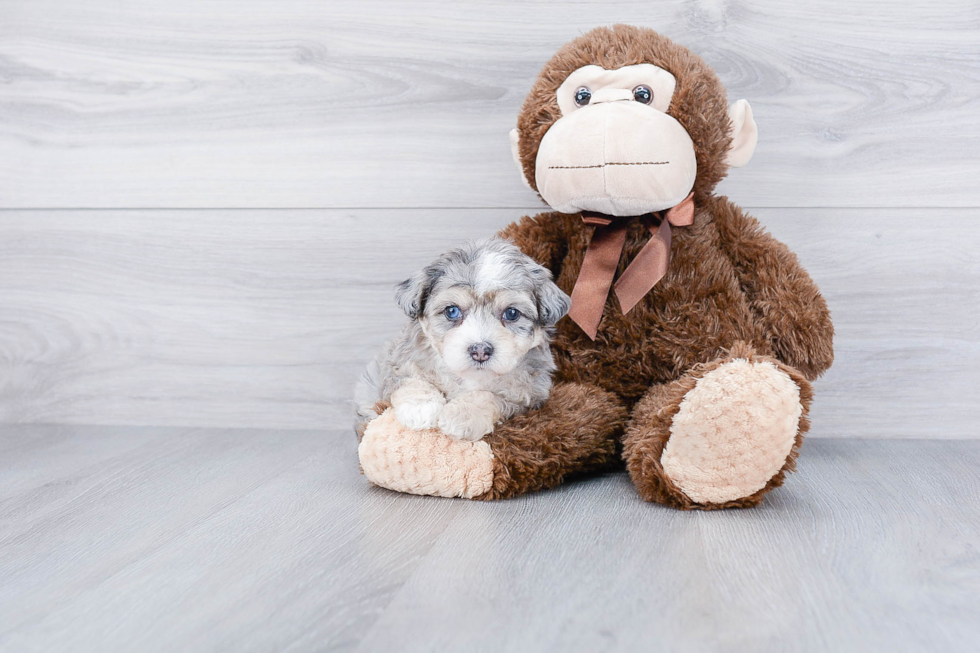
(721, 436)
(423, 462)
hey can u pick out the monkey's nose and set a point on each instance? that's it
(611, 95)
(481, 352)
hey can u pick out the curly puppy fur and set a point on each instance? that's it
(476, 348)
(729, 282)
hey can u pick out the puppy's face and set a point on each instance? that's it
(478, 329)
(484, 306)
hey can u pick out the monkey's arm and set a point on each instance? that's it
(543, 237)
(780, 292)
(574, 432)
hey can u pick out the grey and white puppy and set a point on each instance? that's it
(476, 351)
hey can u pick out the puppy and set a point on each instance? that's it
(476, 351)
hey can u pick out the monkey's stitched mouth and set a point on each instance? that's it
(612, 163)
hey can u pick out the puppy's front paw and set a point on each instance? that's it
(419, 415)
(461, 421)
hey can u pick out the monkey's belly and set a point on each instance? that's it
(628, 357)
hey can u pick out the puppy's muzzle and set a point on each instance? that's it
(481, 352)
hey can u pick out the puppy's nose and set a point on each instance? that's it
(481, 352)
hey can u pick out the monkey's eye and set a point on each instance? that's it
(512, 315)
(453, 313)
(582, 96)
(643, 94)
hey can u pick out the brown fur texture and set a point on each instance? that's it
(534, 451)
(731, 291)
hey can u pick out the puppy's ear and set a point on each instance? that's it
(553, 304)
(410, 295)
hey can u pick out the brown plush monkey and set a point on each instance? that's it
(693, 334)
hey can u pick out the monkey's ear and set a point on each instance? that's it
(745, 134)
(515, 151)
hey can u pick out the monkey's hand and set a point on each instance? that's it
(423, 462)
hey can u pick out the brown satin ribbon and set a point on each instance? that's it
(602, 257)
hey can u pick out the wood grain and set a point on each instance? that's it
(285, 504)
(265, 318)
(408, 104)
(256, 540)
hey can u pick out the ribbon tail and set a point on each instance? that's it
(648, 268)
(596, 276)
(682, 215)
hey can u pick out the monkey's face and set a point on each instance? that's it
(615, 149)
(624, 122)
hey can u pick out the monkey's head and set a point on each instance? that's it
(623, 121)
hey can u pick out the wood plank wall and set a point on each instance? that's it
(204, 205)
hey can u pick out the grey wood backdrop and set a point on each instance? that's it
(204, 205)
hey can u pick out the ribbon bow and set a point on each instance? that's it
(602, 258)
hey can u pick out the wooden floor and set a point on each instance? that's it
(124, 538)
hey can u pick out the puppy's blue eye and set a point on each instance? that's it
(512, 314)
(643, 94)
(582, 96)
(453, 313)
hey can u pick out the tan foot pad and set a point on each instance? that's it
(733, 431)
(423, 462)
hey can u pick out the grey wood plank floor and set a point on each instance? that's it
(123, 538)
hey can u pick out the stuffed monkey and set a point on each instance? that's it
(693, 334)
